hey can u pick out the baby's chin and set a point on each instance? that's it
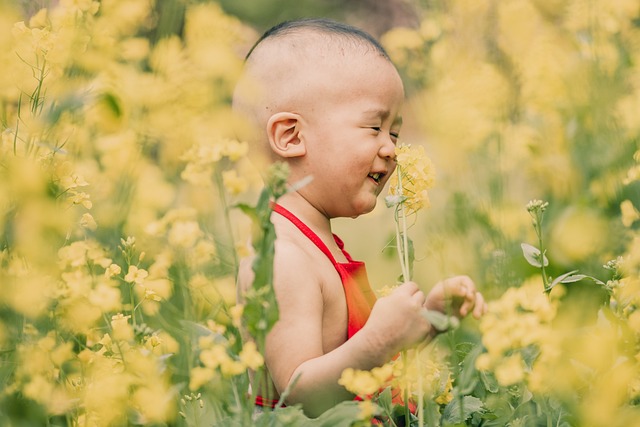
(365, 209)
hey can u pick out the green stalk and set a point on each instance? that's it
(538, 228)
(227, 218)
(407, 413)
(401, 241)
(420, 392)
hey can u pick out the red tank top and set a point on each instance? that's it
(353, 274)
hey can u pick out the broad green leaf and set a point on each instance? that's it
(533, 255)
(468, 378)
(453, 413)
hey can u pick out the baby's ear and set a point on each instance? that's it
(283, 130)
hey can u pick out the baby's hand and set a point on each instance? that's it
(456, 296)
(397, 320)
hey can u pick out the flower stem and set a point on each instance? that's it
(405, 397)
(402, 242)
(420, 391)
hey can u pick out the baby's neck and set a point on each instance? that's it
(305, 211)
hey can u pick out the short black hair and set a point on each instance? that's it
(322, 25)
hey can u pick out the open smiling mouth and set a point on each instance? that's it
(377, 177)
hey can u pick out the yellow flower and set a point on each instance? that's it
(106, 298)
(150, 294)
(112, 270)
(446, 396)
(231, 368)
(214, 356)
(88, 222)
(236, 314)
(233, 183)
(414, 176)
(385, 290)
(250, 356)
(367, 410)
(122, 330)
(136, 275)
(629, 213)
(362, 383)
(184, 234)
(510, 371)
(80, 198)
(200, 376)
(235, 150)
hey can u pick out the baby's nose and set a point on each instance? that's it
(388, 149)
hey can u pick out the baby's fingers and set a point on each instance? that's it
(474, 304)
(460, 286)
(480, 307)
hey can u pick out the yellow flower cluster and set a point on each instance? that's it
(366, 383)
(96, 116)
(216, 360)
(517, 327)
(425, 374)
(415, 175)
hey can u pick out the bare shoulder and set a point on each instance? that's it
(294, 263)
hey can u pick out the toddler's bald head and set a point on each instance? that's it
(298, 61)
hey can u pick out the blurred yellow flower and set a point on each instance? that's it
(367, 410)
(214, 356)
(106, 298)
(629, 213)
(358, 382)
(231, 368)
(569, 243)
(365, 383)
(136, 275)
(233, 183)
(121, 329)
(184, 234)
(200, 376)
(236, 314)
(250, 356)
(510, 371)
(87, 221)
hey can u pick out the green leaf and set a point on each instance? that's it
(574, 278)
(454, 414)
(249, 211)
(384, 400)
(533, 255)
(560, 279)
(468, 378)
(489, 381)
(341, 415)
(439, 321)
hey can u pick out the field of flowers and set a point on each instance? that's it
(126, 200)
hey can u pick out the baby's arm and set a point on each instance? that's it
(295, 344)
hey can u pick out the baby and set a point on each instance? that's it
(326, 99)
